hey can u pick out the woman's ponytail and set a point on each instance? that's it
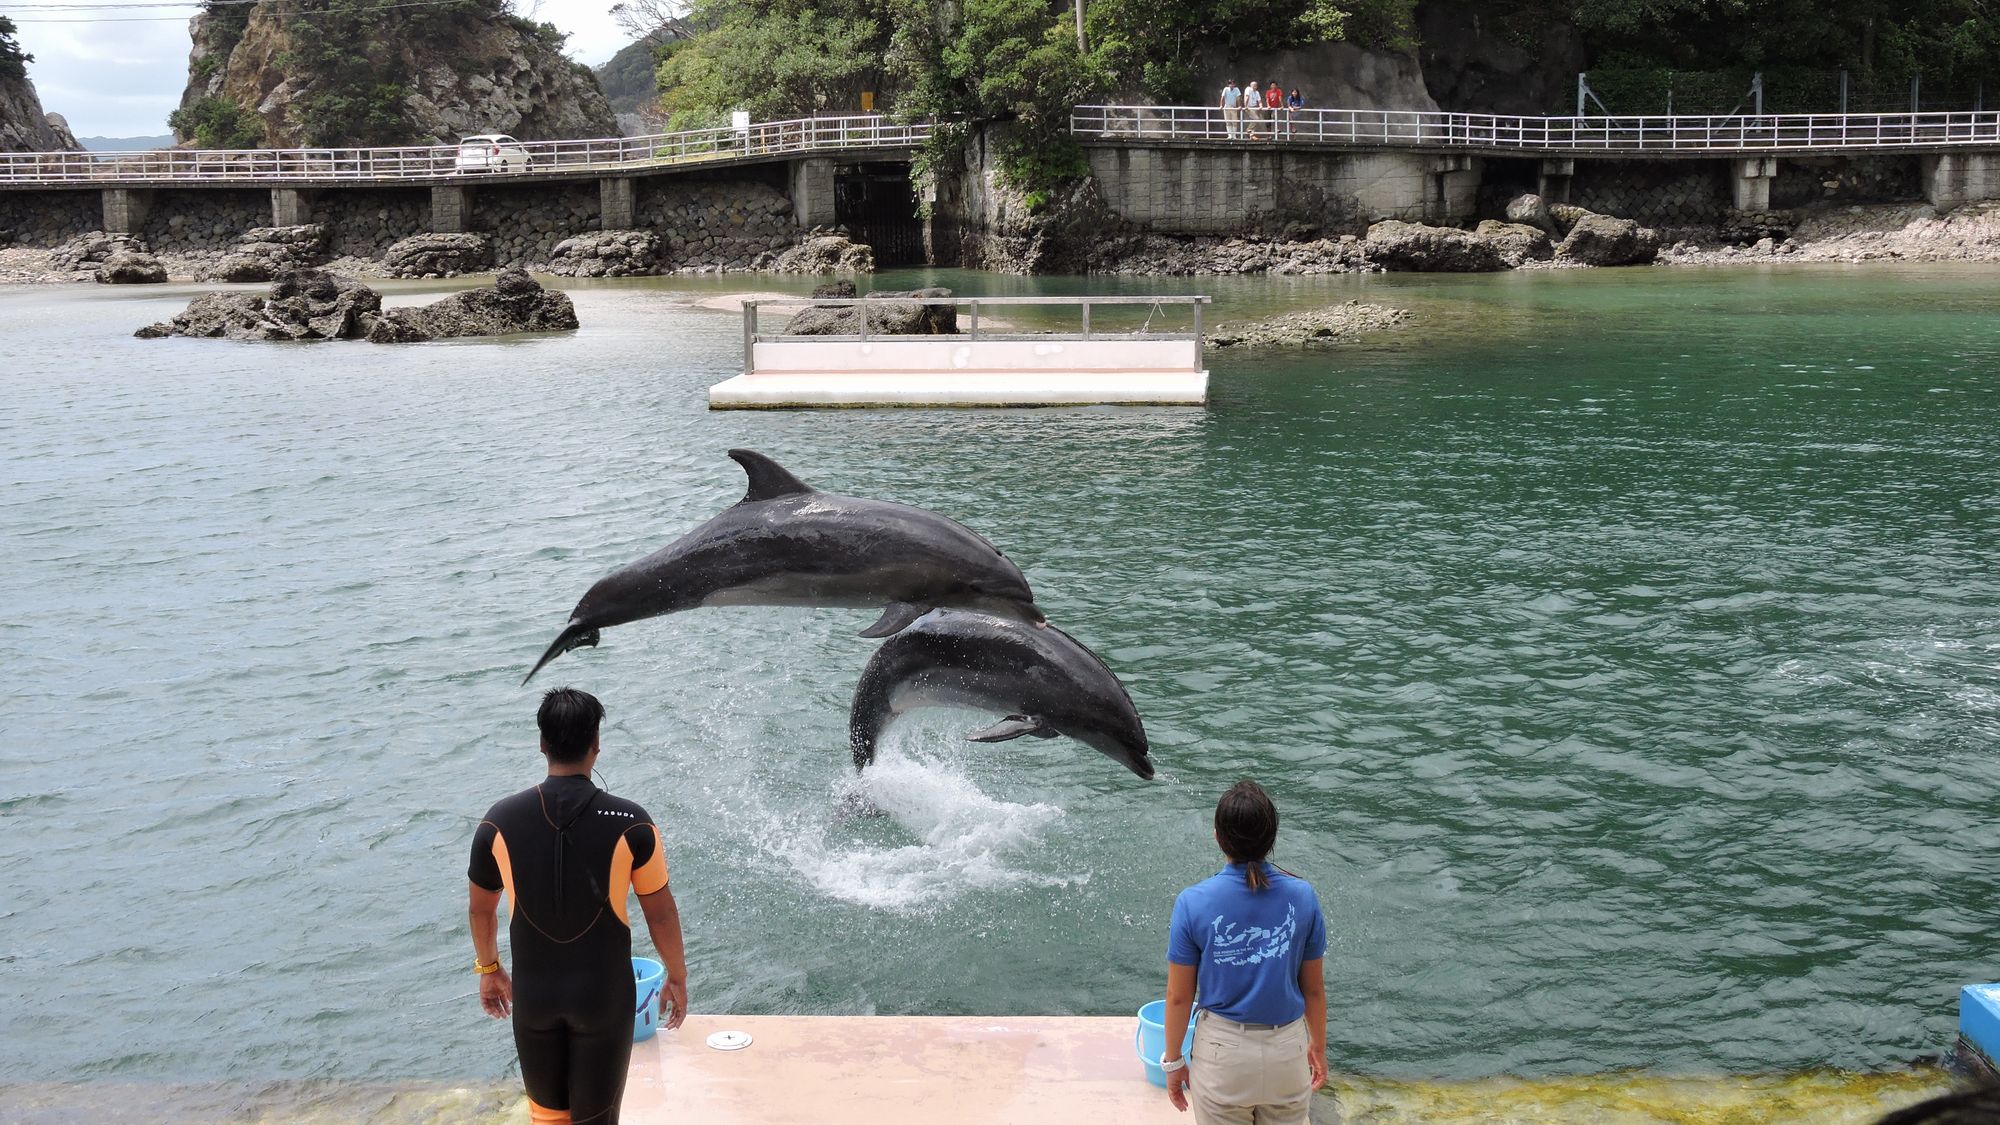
(1246, 825)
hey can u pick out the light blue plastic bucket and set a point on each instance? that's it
(649, 975)
(1150, 1040)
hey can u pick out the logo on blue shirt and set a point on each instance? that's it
(1252, 944)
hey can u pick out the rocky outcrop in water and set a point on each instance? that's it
(313, 304)
(266, 252)
(1517, 243)
(826, 253)
(516, 303)
(609, 253)
(437, 255)
(469, 68)
(303, 305)
(889, 314)
(1331, 325)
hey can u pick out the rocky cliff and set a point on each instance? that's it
(23, 125)
(329, 72)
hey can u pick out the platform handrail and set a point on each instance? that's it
(1428, 129)
(752, 337)
(439, 162)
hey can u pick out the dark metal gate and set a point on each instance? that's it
(877, 206)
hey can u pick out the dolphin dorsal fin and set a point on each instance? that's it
(768, 479)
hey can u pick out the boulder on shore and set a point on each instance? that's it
(1516, 242)
(1531, 210)
(889, 314)
(826, 253)
(303, 305)
(516, 303)
(264, 253)
(607, 253)
(1599, 240)
(87, 252)
(131, 267)
(437, 255)
(1416, 248)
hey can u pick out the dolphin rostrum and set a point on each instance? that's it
(787, 543)
(1039, 677)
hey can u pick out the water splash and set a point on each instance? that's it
(964, 840)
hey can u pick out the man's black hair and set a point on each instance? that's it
(568, 720)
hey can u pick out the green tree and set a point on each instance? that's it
(13, 61)
(775, 58)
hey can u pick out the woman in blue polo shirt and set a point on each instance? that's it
(1248, 941)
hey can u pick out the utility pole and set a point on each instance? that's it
(1080, 48)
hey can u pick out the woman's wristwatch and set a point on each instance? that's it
(1168, 1067)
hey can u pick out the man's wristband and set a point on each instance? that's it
(483, 969)
(1168, 1067)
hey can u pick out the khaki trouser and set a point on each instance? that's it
(1250, 1074)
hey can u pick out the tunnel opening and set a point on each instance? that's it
(877, 205)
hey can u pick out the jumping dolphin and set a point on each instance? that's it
(787, 543)
(1039, 677)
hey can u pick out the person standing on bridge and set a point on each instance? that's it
(1232, 109)
(567, 853)
(1274, 101)
(1253, 110)
(1293, 105)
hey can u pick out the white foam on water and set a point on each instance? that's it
(965, 841)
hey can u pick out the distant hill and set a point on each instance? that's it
(125, 144)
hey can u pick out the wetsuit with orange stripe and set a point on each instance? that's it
(566, 852)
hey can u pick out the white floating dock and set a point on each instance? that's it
(1144, 367)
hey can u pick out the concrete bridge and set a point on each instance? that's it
(811, 147)
(1172, 169)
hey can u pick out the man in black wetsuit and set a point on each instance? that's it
(566, 853)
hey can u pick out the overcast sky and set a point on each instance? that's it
(114, 76)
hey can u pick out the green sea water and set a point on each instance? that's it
(1622, 648)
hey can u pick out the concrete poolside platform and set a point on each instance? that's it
(881, 1070)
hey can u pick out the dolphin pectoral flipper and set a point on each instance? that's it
(896, 617)
(1013, 726)
(768, 479)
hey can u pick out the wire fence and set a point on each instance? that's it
(1648, 91)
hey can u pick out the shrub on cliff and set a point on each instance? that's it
(13, 61)
(217, 123)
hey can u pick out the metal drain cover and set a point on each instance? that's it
(729, 1040)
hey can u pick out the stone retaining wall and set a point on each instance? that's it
(524, 223)
(184, 221)
(49, 218)
(1847, 179)
(364, 223)
(1238, 191)
(715, 224)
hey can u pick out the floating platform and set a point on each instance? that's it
(886, 1070)
(1005, 365)
(1979, 1028)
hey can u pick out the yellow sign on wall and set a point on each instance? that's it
(868, 101)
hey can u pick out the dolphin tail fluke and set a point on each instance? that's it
(896, 617)
(577, 635)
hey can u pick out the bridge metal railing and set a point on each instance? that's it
(1735, 134)
(432, 162)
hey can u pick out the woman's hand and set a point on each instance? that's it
(496, 993)
(1177, 1083)
(1316, 1062)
